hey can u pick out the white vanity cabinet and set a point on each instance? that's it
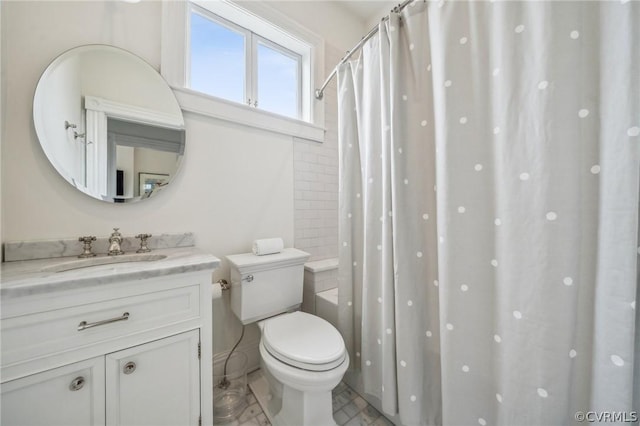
(72, 395)
(135, 352)
(159, 379)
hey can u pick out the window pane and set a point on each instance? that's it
(277, 82)
(217, 59)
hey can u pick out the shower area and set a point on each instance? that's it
(489, 200)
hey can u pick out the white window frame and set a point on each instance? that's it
(267, 23)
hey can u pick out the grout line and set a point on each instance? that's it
(345, 392)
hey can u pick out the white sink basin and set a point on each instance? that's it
(106, 260)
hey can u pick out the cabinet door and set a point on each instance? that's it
(157, 383)
(65, 396)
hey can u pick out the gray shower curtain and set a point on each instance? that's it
(489, 199)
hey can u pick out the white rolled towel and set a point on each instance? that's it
(267, 246)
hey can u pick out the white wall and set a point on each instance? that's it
(236, 183)
(110, 75)
(336, 25)
(383, 9)
(151, 161)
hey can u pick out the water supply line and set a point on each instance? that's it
(224, 383)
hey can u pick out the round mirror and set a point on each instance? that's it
(109, 123)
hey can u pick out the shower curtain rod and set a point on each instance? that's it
(320, 92)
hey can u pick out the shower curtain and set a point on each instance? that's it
(489, 198)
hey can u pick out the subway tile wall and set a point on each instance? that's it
(316, 179)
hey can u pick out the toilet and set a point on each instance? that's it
(303, 356)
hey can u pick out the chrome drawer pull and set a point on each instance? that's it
(84, 325)
(77, 384)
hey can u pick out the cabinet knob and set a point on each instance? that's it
(77, 384)
(129, 367)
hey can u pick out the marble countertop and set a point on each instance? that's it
(29, 277)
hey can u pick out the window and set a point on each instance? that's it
(218, 55)
(229, 61)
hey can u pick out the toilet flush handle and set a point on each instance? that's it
(248, 278)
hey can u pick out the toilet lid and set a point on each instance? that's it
(304, 341)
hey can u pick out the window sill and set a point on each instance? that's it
(209, 106)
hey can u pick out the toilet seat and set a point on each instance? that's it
(304, 341)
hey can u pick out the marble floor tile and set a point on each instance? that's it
(382, 421)
(340, 401)
(349, 409)
(357, 420)
(340, 417)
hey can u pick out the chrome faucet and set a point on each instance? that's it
(143, 243)
(114, 243)
(86, 249)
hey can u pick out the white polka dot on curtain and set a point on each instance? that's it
(617, 360)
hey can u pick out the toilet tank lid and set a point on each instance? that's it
(249, 262)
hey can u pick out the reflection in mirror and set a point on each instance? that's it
(109, 123)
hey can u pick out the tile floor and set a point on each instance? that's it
(349, 409)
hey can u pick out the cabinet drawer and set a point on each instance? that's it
(32, 336)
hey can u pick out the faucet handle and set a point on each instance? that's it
(87, 240)
(143, 243)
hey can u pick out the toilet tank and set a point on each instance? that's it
(264, 286)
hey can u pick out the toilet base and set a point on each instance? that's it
(305, 408)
